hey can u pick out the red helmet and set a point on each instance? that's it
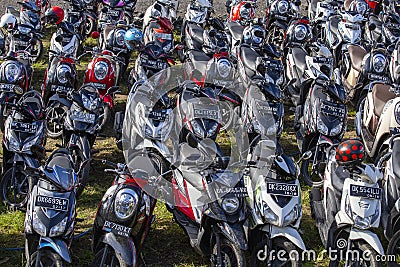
(54, 15)
(242, 11)
(350, 152)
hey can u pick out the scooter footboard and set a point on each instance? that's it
(58, 245)
(124, 248)
(369, 237)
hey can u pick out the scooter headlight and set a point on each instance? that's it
(224, 67)
(38, 226)
(59, 228)
(125, 203)
(63, 71)
(100, 70)
(321, 127)
(11, 72)
(119, 37)
(270, 216)
(283, 7)
(361, 7)
(213, 129)
(167, 47)
(197, 129)
(292, 216)
(300, 32)
(362, 223)
(397, 113)
(230, 204)
(90, 104)
(379, 63)
(337, 129)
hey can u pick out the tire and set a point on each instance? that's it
(15, 195)
(111, 259)
(2, 118)
(48, 257)
(311, 180)
(55, 115)
(106, 117)
(232, 255)
(362, 96)
(394, 249)
(362, 248)
(37, 50)
(278, 244)
(78, 156)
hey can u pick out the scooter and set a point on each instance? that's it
(160, 9)
(348, 206)
(47, 239)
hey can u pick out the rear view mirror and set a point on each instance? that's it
(83, 165)
(307, 155)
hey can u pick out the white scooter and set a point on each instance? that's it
(348, 206)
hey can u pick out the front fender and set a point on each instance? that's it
(368, 236)
(61, 100)
(58, 245)
(234, 233)
(287, 232)
(124, 248)
(278, 24)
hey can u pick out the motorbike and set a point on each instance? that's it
(160, 9)
(61, 77)
(28, 15)
(24, 128)
(66, 40)
(160, 32)
(123, 219)
(241, 11)
(15, 79)
(102, 72)
(51, 213)
(359, 68)
(81, 126)
(112, 11)
(277, 18)
(83, 19)
(348, 205)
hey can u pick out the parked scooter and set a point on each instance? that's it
(24, 128)
(83, 19)
(160, 9)
(51, 211)
(123, 219)
(348, 206)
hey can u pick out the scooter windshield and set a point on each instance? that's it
(62, 177)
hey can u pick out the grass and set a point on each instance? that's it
(167, 245)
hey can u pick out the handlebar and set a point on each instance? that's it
(109, 163)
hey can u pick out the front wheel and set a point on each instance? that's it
(37, 50)
(106, 257)
(48, 257)
(55, 116)
(231, 254)
(79, 157)
(312, 174)
(394, 249)
(14, 187)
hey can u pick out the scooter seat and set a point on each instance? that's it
(199, 60)
(236, 30)
(357, 54)
(381, 94)
(248, 56)
(196, 32)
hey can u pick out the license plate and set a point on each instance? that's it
(61, 89)
(352, 26)
(23, 127)
(117, 229)
(7, 87)
(281, 17)
(333, 109)
(100, 86)
(158, 115)
(21, 43)
(273, 65)
(83, 117)
(154, 64)
(375, 77)
(365, 191)
(53, 203)
(206, 113)
(325, 5)
(113, 12)
(164, 36)
(236, 191)
(286, 190)
(322, 60)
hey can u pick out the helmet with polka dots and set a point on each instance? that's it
(350, 152)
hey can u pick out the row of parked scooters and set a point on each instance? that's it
(236, 74)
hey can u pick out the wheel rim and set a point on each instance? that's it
(228, 256)
(15, 190)
(54, 118)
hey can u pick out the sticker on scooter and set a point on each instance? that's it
(286, 190)
(117, 229)
(365, 192)
(53, 203)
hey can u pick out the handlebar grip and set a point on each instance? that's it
(109, 163)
